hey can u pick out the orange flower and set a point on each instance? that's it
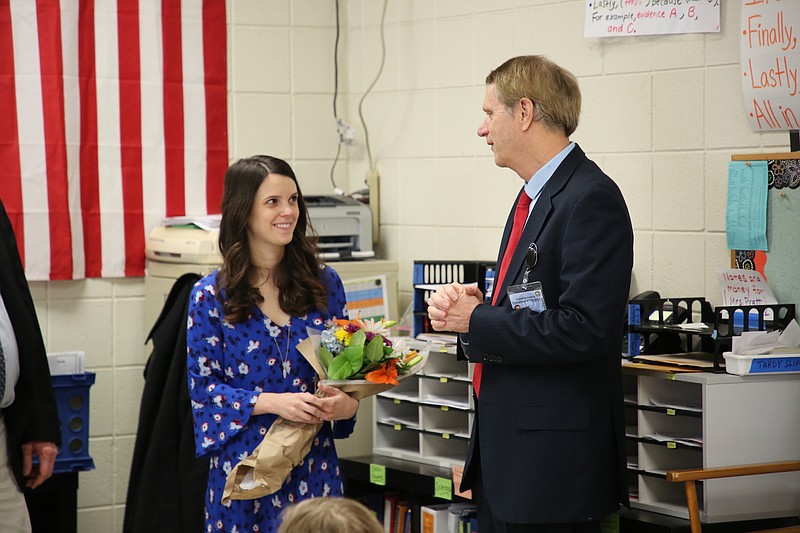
(385, 374)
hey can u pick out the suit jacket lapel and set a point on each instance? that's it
(537, 219)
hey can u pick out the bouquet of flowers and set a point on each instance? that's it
(359, 357)
(355, 356)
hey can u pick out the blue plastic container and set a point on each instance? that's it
(72, 399)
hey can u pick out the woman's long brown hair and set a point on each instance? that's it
(297, 276)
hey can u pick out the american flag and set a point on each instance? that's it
(113, 114)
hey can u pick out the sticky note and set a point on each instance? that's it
(443, 380)
(377, 474)
(610, 524)
(671, 445)
(443, 488)
(671, 412)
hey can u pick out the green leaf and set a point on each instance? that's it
(325, 357)
(366, 370)
(374, 350)
(339, 368)
(354, 356)
(358, 338)
(387, 350)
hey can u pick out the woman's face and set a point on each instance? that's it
(273, 215)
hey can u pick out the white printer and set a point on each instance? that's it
(344, 227)
(188, 243)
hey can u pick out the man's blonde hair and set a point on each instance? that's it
(553, 90)
(329, 515)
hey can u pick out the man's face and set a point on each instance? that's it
(498, 128)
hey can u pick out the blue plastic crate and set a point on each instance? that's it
(72, 399)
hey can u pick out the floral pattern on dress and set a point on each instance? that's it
(229, 365)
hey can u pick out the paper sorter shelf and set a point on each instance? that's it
(686, 359)
(396, 420)
(394, 395)
(686, 440)
(696, 407)
(451, 401)
(445, 376)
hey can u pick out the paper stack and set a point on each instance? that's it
(761, 352)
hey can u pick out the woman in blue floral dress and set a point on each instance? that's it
(245, 321)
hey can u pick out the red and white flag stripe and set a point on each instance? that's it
(113, 114)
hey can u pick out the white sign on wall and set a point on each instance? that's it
(770, 61)
(630, 18)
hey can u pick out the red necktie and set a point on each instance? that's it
(520, 217)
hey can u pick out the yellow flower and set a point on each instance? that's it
(343, 336)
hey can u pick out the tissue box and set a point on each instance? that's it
(780, 363)
(66, 363)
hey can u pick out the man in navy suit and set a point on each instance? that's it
(29, 425)
(547, 451)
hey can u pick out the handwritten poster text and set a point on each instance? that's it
(744, 287)
(629, 18)
(770, 61)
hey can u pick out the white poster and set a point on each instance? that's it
(629, 18)
(770, 61)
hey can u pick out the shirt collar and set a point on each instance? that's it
(535, 185)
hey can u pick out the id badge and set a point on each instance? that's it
(528, 295)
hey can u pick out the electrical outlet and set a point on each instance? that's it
(347, 133)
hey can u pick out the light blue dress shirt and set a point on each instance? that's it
(535, 185)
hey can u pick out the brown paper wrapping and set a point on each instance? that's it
(286, 443)
(360, 388)
(263, 472)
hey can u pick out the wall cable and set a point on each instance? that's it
(335, 96)
(377, 76)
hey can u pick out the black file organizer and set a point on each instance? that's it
(653, 326)
(661, 334)
(428, 273)
(725, 327)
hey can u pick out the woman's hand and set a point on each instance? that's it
(335, 404)
(295, 406)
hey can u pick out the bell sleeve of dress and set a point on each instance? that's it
(220, 410)
(337, 308)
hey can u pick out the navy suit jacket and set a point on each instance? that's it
(548, 435)
(33, 415)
